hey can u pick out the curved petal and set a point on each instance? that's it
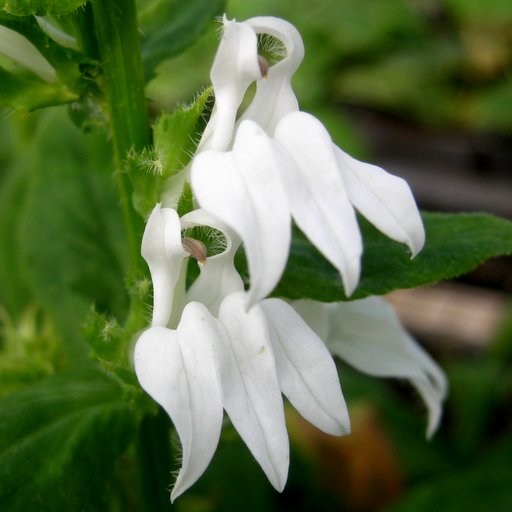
(218, 276)
(307, 373)
(19, 49)
(274, 96)
(164, 254)
(177, 369)
(242, 188)
(317, 195)
(250, 387)
(368, 335)
(234, 68)
(385, 200)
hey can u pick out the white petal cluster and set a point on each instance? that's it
(276, 163)
(221, 355)
(216, 347)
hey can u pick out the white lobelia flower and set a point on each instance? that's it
(205, 359)
(368, 335)
(277, 163)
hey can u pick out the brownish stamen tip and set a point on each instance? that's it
(264, 67)
(195, 248)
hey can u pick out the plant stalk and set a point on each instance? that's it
(115, 23)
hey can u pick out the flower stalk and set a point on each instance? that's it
(116, 31)
(115, 24)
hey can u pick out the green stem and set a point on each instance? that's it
(115, 24)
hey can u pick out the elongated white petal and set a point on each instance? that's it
(368, 335)
(19, 49)
(164, 254)
(385, 200)
(317, 195)
(307, 373)
(274, 96)
(218, 276)
(55, 33)
(177, 369)
(197, 338)
(242, 188)
(234, 68)
(316, 315)
(250, 387)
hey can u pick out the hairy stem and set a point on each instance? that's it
(115, 23)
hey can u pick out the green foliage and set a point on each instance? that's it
(29, 349)
(40, 7)
(176, 135)
(169, 26)
(59, 441)
(30, 93)
(107, 340)
(456, 243)
(175, 138)
(14, 288)
(70, 242)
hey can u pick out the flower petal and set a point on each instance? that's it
(164, 254)
(250, 387)
(307, 373)
(218, 276)
(274, 96)
(317, 195)
(177, 369)
(242, 188)
(19, 49)
(368, 335)
(234, 68)
(385, 200)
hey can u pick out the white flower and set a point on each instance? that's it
(19, 49)
(229, 357)
(277, 163)
(369, 336)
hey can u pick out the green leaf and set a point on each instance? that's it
(40, 7)
(175, 139)
(30, 93)
(169, 26)
(176, 135)
(456, 243)
(59, 441)
(108, 342)
(71, 239)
